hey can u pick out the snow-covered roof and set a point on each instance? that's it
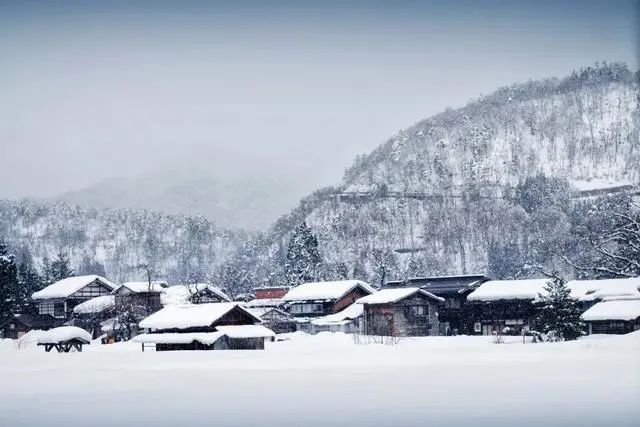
(95, 305)
(62, 334)
(353, 311)
(137, 287)
(494, 290)
(181, 294)
(590, 290)
(387, 296)
(583, 290)
(265, 302)
(190, 315)
(246, 331)
(67, 287)
(625, 309)
(324, 290)
(206, 338)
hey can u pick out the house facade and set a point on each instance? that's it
(614, 315)
(60, 298)
(401, 312)
(454, 289)
(310, 300)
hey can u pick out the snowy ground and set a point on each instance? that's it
(328, 380)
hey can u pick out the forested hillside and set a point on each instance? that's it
(115, 242)
(491, 187)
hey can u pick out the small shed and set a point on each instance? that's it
(613, 316)
(402, 312)
(275, 319)
(215, 326)
(19, 324)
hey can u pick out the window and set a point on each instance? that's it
(307, 308)
(419, 310)
(58, 309)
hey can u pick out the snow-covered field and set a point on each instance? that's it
(328, 380)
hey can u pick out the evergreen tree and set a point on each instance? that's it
(60, 268)
(29, 281)
(303, 257)
(504, 260)
(558, 314)
(8, 282)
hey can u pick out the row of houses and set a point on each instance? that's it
(451, 305)
(201, 316)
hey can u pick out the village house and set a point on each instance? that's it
(401, 312)
(213, 326)
(505, 306)
(614, 315)
(59, 298)
(19, 324)
(318, 299)
(145, 295)
(454, 290)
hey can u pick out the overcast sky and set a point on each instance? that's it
(110, 89)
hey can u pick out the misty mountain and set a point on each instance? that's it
(492, 185)
(250, 203)
(440, 196)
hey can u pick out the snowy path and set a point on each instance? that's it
(328, 380)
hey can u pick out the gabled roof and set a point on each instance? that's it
(191, 315)
(139, 287)
(69, 286)
(389, 296)
(494, 290)
(325, 291)
(625, 309)
(440, 284)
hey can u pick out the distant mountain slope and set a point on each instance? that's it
(435, 198)
(119, 240)
(252, 203)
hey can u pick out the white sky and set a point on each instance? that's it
(88, 94)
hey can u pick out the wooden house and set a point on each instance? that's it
(401, 312)
(19, 324)
(454, 290)
(505, 306)
(318, 299)
(215, 326)
(59, 299)
(619, 315)
(144, 295)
